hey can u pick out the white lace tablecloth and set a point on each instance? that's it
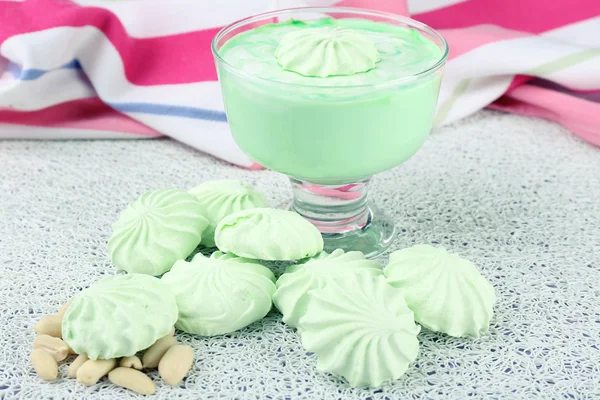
(519, 197)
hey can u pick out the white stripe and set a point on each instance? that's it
(421, 6)
(50, 89)
(4, 74)
(151, 18)
(10, 131)
(512, 57)
(480, 92)
(584, 33)
(578, 76)
(516, 56)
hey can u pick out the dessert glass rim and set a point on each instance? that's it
(350, 10)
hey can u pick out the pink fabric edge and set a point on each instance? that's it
(550, 14)
(90, 113)
(534, 101)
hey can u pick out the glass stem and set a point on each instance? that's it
(333, 209)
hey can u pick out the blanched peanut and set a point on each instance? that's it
(176, 363)
(171, 332)
(44, 365)
(92, 370)
(53, 346)
(49, 325)
(131, 362)
(63, 309)
(132, 380)
(76, 364)
(153, 355)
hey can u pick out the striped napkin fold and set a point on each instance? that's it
(143, 68)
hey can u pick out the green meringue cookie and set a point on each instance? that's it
(119, 316)
(156, 230)
(446, 292)
(360, 328)
(291, 296)
(268, 234)
(323, 52)
(221, 198)
(220, 294)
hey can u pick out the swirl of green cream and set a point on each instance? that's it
(323, 52)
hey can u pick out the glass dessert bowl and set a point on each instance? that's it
(331, 96)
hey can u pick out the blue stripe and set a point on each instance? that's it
(144, 108)
(34, 73)
(172, 111)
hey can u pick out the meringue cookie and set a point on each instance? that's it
(446, 292)
(119, 316)
(323, 52)
(293, 286)
(220, 294)
(268, 234)
(156, 230)
(360, 328)
(221, 198)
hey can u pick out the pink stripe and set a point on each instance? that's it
(182, 58)
(255, 166)
(342, 192)
(534, 16)
(518, 80)
(462, 41)
(90, 114)
(580, 116)
(393, 6)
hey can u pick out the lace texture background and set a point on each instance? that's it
(517, 196)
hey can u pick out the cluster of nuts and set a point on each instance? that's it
(173, 360)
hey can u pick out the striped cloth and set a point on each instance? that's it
(143, 68)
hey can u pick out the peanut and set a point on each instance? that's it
(92, 370)
(176, 363)
(131, 362)
(52, 345)
(44, 365)
(63, 309)
(171, 332)
(49, 325)
(76, 364)
(153, 355)
(132, 380)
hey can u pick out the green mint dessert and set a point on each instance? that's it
(268, 234)
(291, 297)
(156, 230)
(361, 329)
(446, 292)
(119, 316)
(220, 294)
(221, 198)
(332, 100)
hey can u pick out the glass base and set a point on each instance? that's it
(344, 217)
